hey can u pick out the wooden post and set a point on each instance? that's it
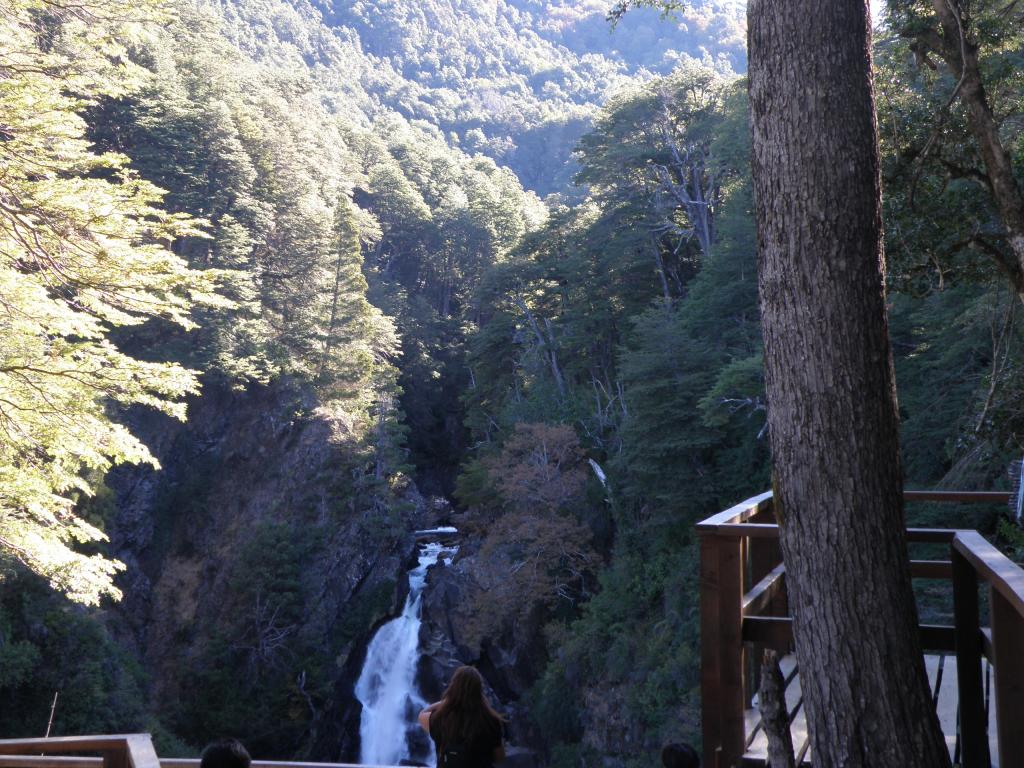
(722, 695)
(710, 651)
(141, 753)
(973, 735)
(1008, 648)
(730, 617)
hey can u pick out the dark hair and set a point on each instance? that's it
(464, 715)
(679, 756)
(225, 753)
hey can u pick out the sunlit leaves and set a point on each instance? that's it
(83, 249)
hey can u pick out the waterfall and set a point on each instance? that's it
(387, 685)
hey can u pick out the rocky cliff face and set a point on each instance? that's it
(257, 570)
(507, 646)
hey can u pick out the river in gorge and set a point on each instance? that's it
(387, 684)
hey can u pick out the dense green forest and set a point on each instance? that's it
(498, 251)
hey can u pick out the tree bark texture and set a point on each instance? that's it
(832, 403)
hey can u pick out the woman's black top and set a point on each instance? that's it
(478, 753)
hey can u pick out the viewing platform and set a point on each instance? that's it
(975, 665)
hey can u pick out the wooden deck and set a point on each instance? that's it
(942, 675)
(976, 670)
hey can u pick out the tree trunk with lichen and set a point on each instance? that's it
(832, 404)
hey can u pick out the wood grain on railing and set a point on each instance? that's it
(129, 750)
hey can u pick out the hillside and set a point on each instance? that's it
(517, 81)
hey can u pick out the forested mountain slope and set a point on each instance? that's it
(517, 81)
(520, 80)
(428, 67)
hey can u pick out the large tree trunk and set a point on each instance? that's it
(832, 403)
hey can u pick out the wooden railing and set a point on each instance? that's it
(744, 608)
(133, 750)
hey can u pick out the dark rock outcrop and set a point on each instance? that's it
(510, 654)
(245, 463)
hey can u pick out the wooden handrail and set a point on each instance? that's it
(771, 531)
(738, 513)
(177, 762)
(132, 750)
(49, 761)
(742, 512)
(993, 567)
(128, 750)
(73, 743)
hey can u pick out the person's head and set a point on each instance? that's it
(225, 753)
(464, 713)
(679, 756)
(466, 689)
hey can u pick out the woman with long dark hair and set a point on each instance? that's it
(466, 730)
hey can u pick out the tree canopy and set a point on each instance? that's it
(86, 249)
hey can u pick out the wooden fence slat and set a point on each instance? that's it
(770, 631)
(931, 535)
(760, 598)
(752, 530)
(931, 569)
(938, 637)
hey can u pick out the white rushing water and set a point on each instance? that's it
(387, 685)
